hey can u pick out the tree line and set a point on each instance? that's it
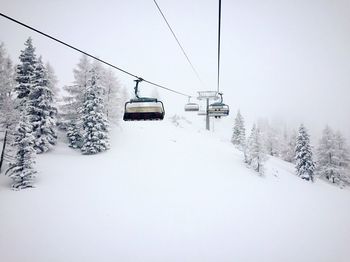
(330, 160)
(32, 112)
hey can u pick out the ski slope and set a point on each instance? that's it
(170, 193)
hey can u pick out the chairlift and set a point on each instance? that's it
(190, 106)
(218, 109)
(143, 108)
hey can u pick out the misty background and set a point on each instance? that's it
(287, 61)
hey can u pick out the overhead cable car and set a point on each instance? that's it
(143, 108)
(190, 106)
(218, 109)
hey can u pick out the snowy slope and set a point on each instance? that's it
(167, 193)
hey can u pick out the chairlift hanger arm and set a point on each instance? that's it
(221, 99)
(138, 80)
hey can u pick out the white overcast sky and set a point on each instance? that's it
(281, 59)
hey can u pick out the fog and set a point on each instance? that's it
(287, 61)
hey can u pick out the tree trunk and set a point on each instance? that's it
(3, 150)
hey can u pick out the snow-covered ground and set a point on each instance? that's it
(167, 193)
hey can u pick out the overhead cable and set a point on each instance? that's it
(219, 36)
(178, 42)
(89, 55)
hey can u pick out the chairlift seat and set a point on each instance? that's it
(191, 107)
(143, 108)
(218, 110)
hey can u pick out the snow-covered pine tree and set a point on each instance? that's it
(8, 116)
(52, 80)
(273, 142)
(305, 165)
(6, 75)
(70, 117)
(272, 136)
(247, 158)
(111, 96)
(238, 135)
(41, 109)
(94, 121)
(74, 100)
(254, 153)
(124, 96)
(284, 144)
(22, 169)
(25, 72)
(288, 150)
(342, 150)
(333, 157)
(327, 166)
(343, 157)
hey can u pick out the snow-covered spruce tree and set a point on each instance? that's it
(238, 135)
(25, 72)
(22, 169)
(305, 165)
(254, 153)
(74, 135)
(41, 109)
(70, 117)
(94, 121)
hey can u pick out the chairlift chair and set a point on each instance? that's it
(143, 108)
(218, 109)
(190, 106)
